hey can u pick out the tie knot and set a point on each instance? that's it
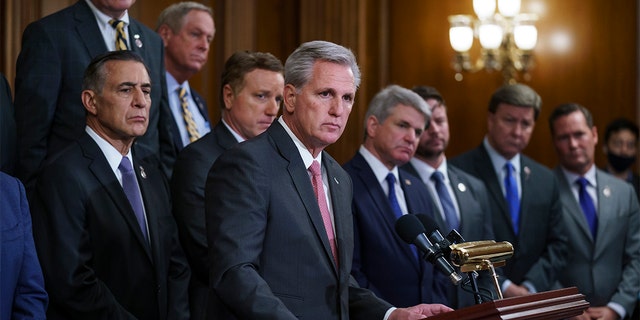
(125, 165)
(509, 167)
(116, 24)
(582, 182)
(314, 168)
(437, 176)
(182, 91)
(391, 179)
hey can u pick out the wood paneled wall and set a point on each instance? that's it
(587, 53)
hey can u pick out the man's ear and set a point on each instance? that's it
(289, 98)
(372, 125)
(165, 33)
(227, 96)
(89, 101)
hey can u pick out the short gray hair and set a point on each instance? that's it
(299, 65)
(173, 15)
(384, 101)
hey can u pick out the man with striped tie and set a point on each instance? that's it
(55, 52)
(187, 29)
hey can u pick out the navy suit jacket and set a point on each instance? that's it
(540, 247)
(49, 112)
(382, 261)
(475, 222)
(95, 261)
(187, 191)
(22, 294)
(270, 254)
(175, 132)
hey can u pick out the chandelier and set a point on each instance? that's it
(507, 39)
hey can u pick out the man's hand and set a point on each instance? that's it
(514, 290)
(417, 312)
(602, 313)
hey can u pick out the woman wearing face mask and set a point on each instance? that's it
(621, 147)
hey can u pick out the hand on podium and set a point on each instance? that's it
(418, 312)
(598, 313)
(514, 290)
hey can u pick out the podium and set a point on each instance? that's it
(550, 305)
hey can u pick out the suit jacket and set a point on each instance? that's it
(175, 132)
(96, 263)
(607, 269)
(540, 247)
(475, 223)
(49, 112)
(269, 250)
(187, 191)
(22, 294)
(382, 261)
(7, 128)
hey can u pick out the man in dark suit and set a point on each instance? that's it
(102, 219)
(55, 52)
(22, 294)
(187, 30)
(7, 128)
(461, 199)
(382, 261)
(252, 84)
(280, 246)
(524, 198)
(602, 219)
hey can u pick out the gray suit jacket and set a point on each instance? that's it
(607, 270)
(540, 247)
(269, 250)
(475, 221)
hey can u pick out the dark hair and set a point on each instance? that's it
(566, 109)
(427, 92)
(619, 125)
(518, 95)
(243, 62)
(95, 75)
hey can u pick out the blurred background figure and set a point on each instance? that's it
(621, 148)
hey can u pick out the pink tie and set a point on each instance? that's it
(318, 189)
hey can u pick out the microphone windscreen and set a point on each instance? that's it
(408, 227)
(429, 224)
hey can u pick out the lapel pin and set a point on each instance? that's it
(336, 180)
(527, 172)
(143, 174)
(137, 40)
(407, 182)
(462, 187)
(606, 191)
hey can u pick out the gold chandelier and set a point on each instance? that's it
(507, 39)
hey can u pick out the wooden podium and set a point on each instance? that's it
(550, 305)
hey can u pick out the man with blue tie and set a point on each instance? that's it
(602, 219)
(524, 198)
(382, 193)
(462, 201)
(187, 29)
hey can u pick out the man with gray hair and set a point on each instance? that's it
(187, 29)
(524, 197)
(382, 262)
(278, 208)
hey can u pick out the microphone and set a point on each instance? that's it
(410, 229)
(436, 237)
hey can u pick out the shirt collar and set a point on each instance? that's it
(590, 176)
(499, 161)
(103, 18)
(425, 170)
(306, 155)
(113, 156)
(378, 168)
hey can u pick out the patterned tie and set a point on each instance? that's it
(130, 186)
(318, 189)
(393, 200)
(513, 201)
(121, 37)
(445, 200)
(192, 129)
(588, 208)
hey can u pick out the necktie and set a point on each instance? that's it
(130, 186)
(513, 201)
(318, 189)
(121, 37)
(445, 200)
(393, 200)
(588, 208)
(192, 129)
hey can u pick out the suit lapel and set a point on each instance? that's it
(87, 29)
(136, 43)
(146, 186)
(571, 206)
(486, 173)
(462, 196)
(606, 212)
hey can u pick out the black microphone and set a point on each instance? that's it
(434, 235)
(411, 230)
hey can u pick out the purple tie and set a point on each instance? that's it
(130, 186)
